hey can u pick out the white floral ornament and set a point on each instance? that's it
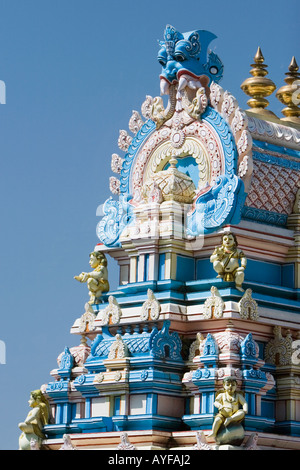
(116, 163)
(117, 376)
(213, 306)
(99, 378)
(150, 308)
(87, 319)
(146, 107)
(118, 349)
(124, 140)
(112, 313)
(135, 122)
(114, 185)
(248, 307)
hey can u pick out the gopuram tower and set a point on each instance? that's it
(199, 346)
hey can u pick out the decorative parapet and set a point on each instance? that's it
(156, 343)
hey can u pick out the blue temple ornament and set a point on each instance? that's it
(188, 54)
(190, 71)
(220, 205)
(117, 215)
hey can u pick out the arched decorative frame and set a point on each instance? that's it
(217, 203)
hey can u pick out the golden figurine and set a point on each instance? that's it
(97, 280)
(232, 406)
(37, 418)
(226, 258)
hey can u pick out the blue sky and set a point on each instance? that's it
(74, 71)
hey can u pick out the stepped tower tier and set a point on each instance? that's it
(198, 346)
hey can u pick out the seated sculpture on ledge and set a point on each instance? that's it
(97, 280)
(232, 408)
(226, 261)
(37, 418)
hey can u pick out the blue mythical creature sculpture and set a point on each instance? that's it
(188, 54)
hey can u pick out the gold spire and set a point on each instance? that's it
(289, 94)
(258, 86)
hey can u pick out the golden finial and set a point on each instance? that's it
(289, 94)
(258, 86)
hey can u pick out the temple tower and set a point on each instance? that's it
(204, 224)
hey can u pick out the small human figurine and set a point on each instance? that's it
(37, 418)
(226, 259)
(231, 406)
(97, 280)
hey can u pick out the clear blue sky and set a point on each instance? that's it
(74, 71)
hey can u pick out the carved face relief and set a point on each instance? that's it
(186, 56)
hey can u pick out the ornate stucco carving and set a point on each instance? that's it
(124, 140)
(171, 184)
(150, 308)
(196, 347)
(201, 121)
(87, 320)
(248, 307)
(213, 306)
(279, 349)
(273, 132)
(118, 349)
(135, 122)
(112, 313)
(116, 163)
